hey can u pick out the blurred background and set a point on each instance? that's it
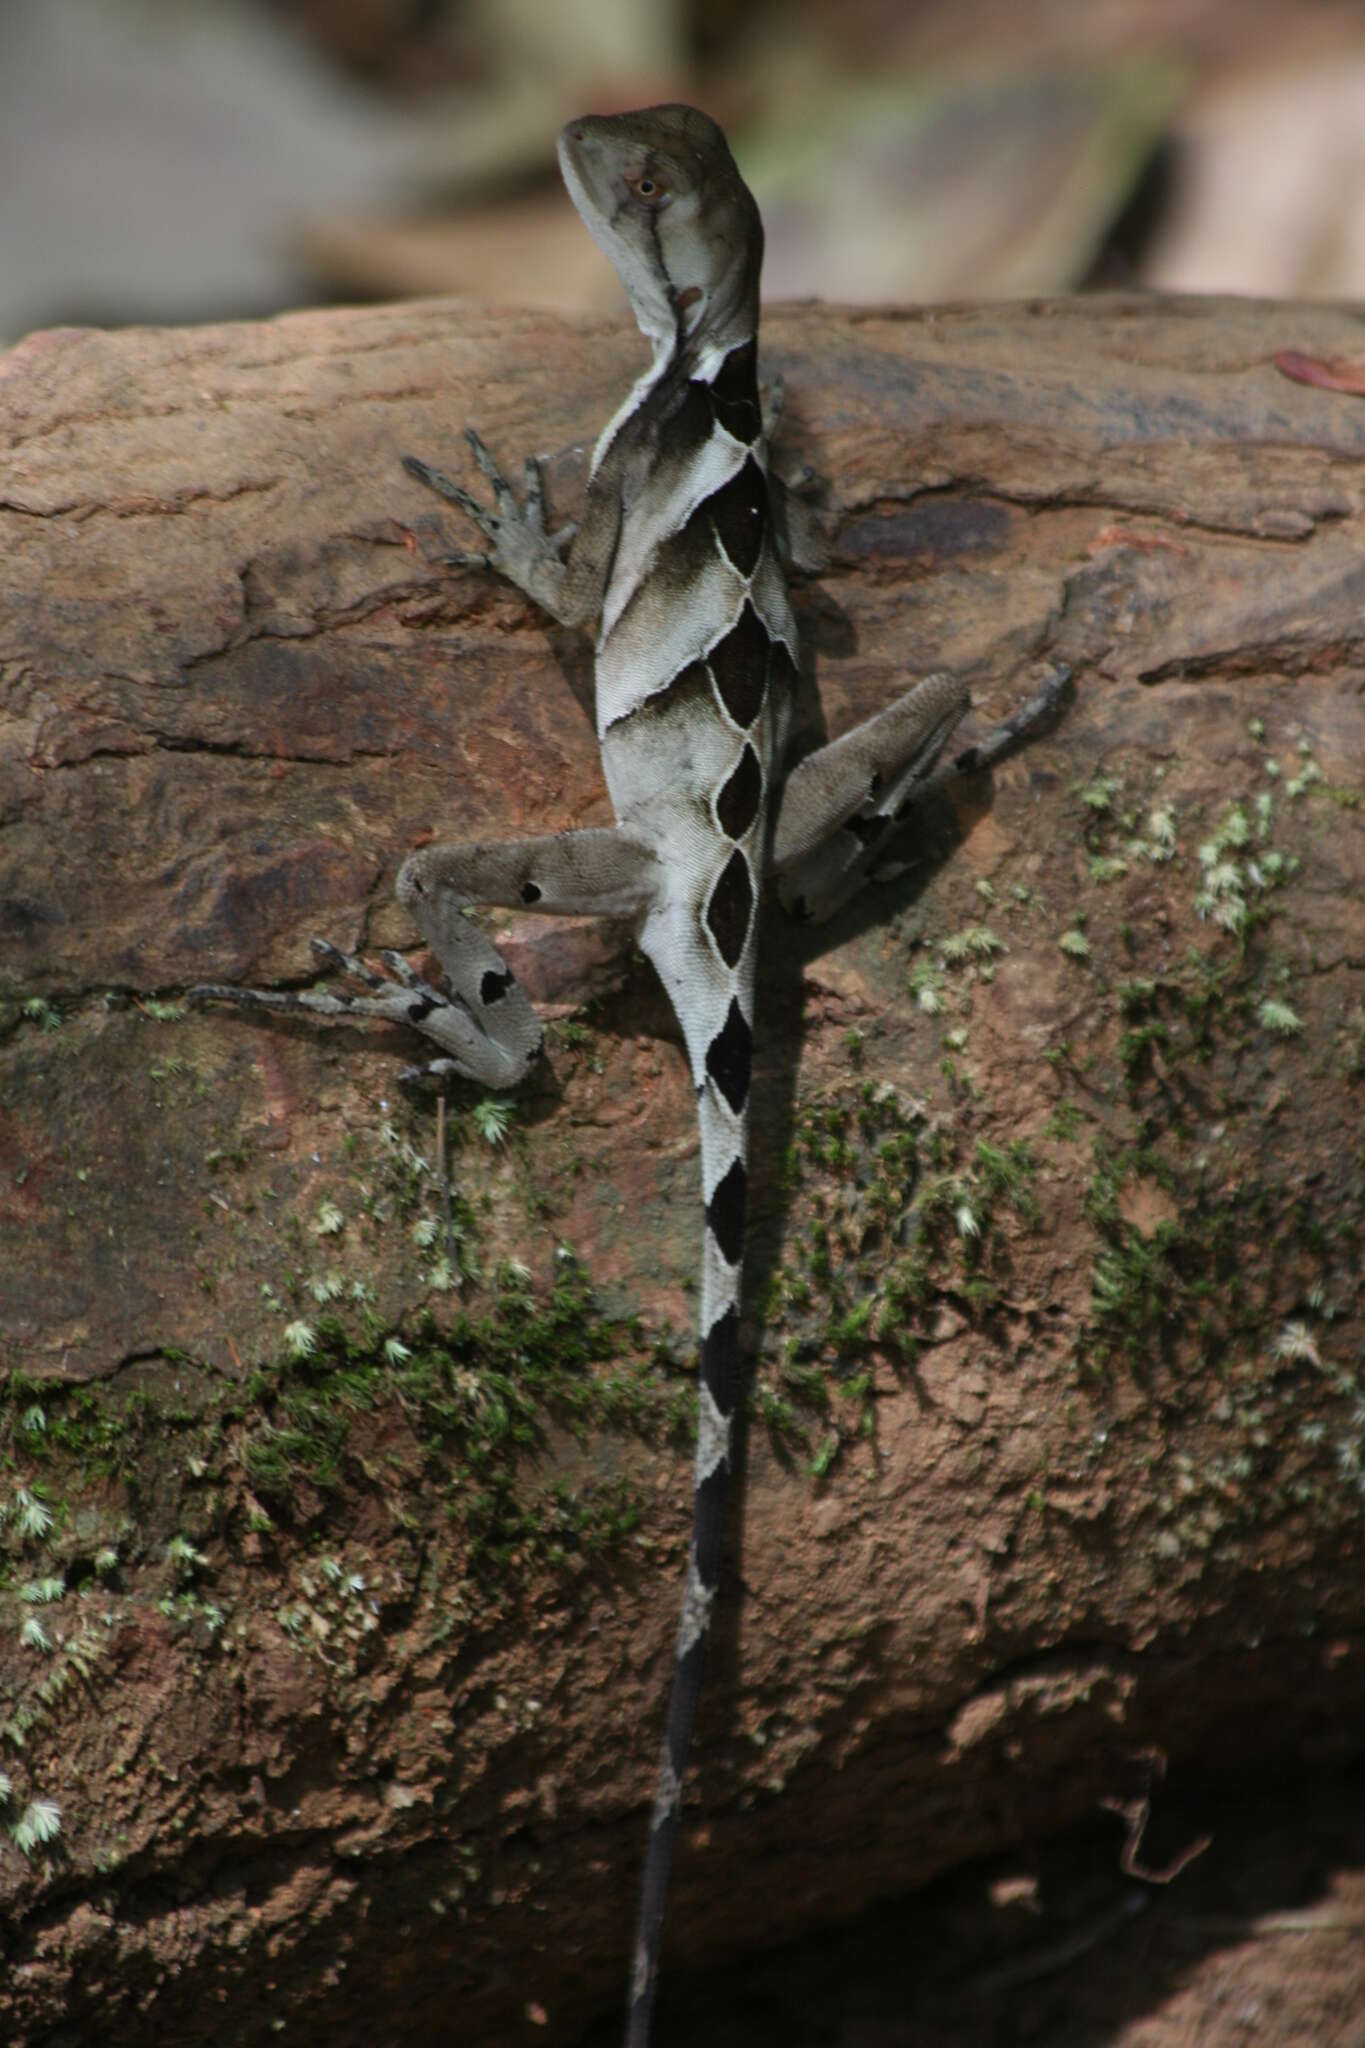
(188, 160)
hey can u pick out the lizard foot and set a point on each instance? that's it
(521, 548)
(469, 1049)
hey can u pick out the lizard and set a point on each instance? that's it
(680, 560)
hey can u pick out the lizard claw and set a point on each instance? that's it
(534, 508)
(347, 963)
(431, 1070)
(403, 970)
(446, 487)
(503, 495)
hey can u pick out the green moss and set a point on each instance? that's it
(1065, 1122)
(1136, 1046)
(888, 1215)
(1099, 793)
(1006, 1173)
(481, 1396)
(38, 1010)
(1134, 1286)
(1196, 1286)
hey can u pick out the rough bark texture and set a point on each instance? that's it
(351, 1695)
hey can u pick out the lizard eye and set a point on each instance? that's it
(651, 190)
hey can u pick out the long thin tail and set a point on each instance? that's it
(725, 1184)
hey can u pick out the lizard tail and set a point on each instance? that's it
(725, 1184)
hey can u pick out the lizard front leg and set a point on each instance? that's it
(841, 806)
(794, 491)
(485, 1027)
(565, 572)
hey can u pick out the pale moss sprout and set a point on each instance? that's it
(1160, 834)
(184, 1556)
(1280, 1017)
(1098, 795)
(926, 986)
(1107, 867)
(40, 1822)
(300, 1339)
(492, 1118)
(973, 942)
(38, 1592)
(1296, 1342)
(33, 1517)
(442, 1276)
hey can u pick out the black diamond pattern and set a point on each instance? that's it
(727, 1209)
(739, 664)
(729, 1058)
(734, 394)
(739, 513)
(730, 908)
(737, 805)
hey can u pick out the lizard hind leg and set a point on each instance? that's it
(469, 1049)
(485, 1027)
(606, 872)
(842, 807)
(845, 797)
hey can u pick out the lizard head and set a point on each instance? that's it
(661, 196)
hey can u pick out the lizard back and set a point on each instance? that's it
(695, 673)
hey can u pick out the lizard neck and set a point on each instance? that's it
(681, 357)
(704, 336)
(705, 333)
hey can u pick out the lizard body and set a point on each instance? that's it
(680, 560)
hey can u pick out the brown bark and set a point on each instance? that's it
(1082, 1488)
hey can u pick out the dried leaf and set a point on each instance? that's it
(1327, 373)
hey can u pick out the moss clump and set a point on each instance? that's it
(459, 1412)
(890, 1212)
(480, 1397)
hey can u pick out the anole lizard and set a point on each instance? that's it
(680, 559)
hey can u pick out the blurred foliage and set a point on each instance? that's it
(170, 163)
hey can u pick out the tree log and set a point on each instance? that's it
(345, 1508)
